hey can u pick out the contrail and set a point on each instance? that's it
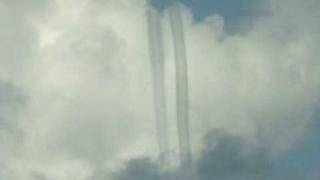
(181, 84)
(157, 63)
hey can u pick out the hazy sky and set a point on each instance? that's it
(76, 90)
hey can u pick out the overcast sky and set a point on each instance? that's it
(76, 90)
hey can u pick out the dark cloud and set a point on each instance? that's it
(225, 158)
(222, 158)
(140, 169)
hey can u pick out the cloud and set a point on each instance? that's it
(12, 104)
(77, 87)
(224, 157)
(256, 83)
(12, 100)
(142, 168)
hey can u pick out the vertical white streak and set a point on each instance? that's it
(181, 84)
(157, 63)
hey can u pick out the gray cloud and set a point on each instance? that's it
(224, 157)
(12, 102)
(140, 169)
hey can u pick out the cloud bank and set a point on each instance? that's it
(224, 157)
(76, 90)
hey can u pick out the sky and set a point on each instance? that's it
(238, 15)
(76, 90)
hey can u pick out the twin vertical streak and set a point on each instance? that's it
(182, 94)
(157, 63)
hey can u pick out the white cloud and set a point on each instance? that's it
(84, 69)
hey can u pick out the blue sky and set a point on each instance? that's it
(238, 15)
(305, 158)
